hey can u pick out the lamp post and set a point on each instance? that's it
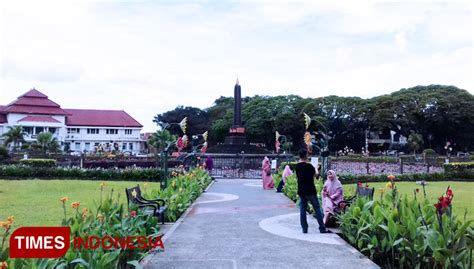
(165, 153)
(322, 144)
(281, 140)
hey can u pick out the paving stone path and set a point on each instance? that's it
(237, 224)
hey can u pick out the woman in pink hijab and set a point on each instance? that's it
(332, 194)
(267, 174)
(286, 173)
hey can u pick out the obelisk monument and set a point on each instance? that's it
(237, 131)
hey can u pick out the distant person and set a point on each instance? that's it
(332, 194)
(286, 173)
(267, 174)
(209, 163)
(306, 173)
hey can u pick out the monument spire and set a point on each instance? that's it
(237, 105)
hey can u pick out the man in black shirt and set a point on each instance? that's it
(305, 173)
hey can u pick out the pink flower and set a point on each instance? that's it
(133, 214)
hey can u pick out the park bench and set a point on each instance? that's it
(361, 191)
(155, 207)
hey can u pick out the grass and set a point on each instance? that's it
(463, 194)
(36, 202)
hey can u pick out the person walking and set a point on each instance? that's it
(305, 174)
(267, 178)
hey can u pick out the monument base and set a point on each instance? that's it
(235, 140)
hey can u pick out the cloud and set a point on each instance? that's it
(150, 56)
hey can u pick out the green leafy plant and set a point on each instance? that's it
(397, 232)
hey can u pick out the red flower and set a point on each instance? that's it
(417, 190)
(449, 192)
(133, 214)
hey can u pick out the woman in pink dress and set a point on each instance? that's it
(332, 194)
(267, 174)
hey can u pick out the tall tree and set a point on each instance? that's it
(198, 120)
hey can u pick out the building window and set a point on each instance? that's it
(128, 131)
(130, 145)
(77, 146)
(28, 130)
(124, 146)
(52, 130)
(112, 131)
(73, 130)
(39, 130)
(88, 146)
(92, 131)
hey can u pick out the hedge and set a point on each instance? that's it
(132, 174)
(39, 162)
(460, 170)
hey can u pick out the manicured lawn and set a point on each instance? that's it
(463, 193)
(36, 202)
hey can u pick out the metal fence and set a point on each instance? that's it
(396, 166)
(242, 165)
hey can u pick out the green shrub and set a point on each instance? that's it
(39, 162)
(463, 170)
(400, 233)
(132, 174)
(429, 152)
(3, 153)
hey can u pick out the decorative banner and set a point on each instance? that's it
(180, 143)
(183, 124)
(307, 120)
(204, 148)
(307, 141)
(185, 140)
(277, 141)
(277, 146)
(204, 135)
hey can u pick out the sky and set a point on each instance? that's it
(147, 57)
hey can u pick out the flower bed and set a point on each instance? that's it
(110, 218)
(397, 232)
(182, 190)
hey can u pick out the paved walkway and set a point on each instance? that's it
(237, 224)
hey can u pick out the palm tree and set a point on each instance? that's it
(161, 139)
(47, 142)
(415, 141)
(15, 136)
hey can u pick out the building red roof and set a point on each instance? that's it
(34, 102)
(93, 117)
(40, 119)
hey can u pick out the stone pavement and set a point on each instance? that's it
(237, 224)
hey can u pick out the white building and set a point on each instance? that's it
(79, 130)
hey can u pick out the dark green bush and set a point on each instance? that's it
(460, 170)
(39, 162)
(132, 174)
(3, 153)
(429, 152)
